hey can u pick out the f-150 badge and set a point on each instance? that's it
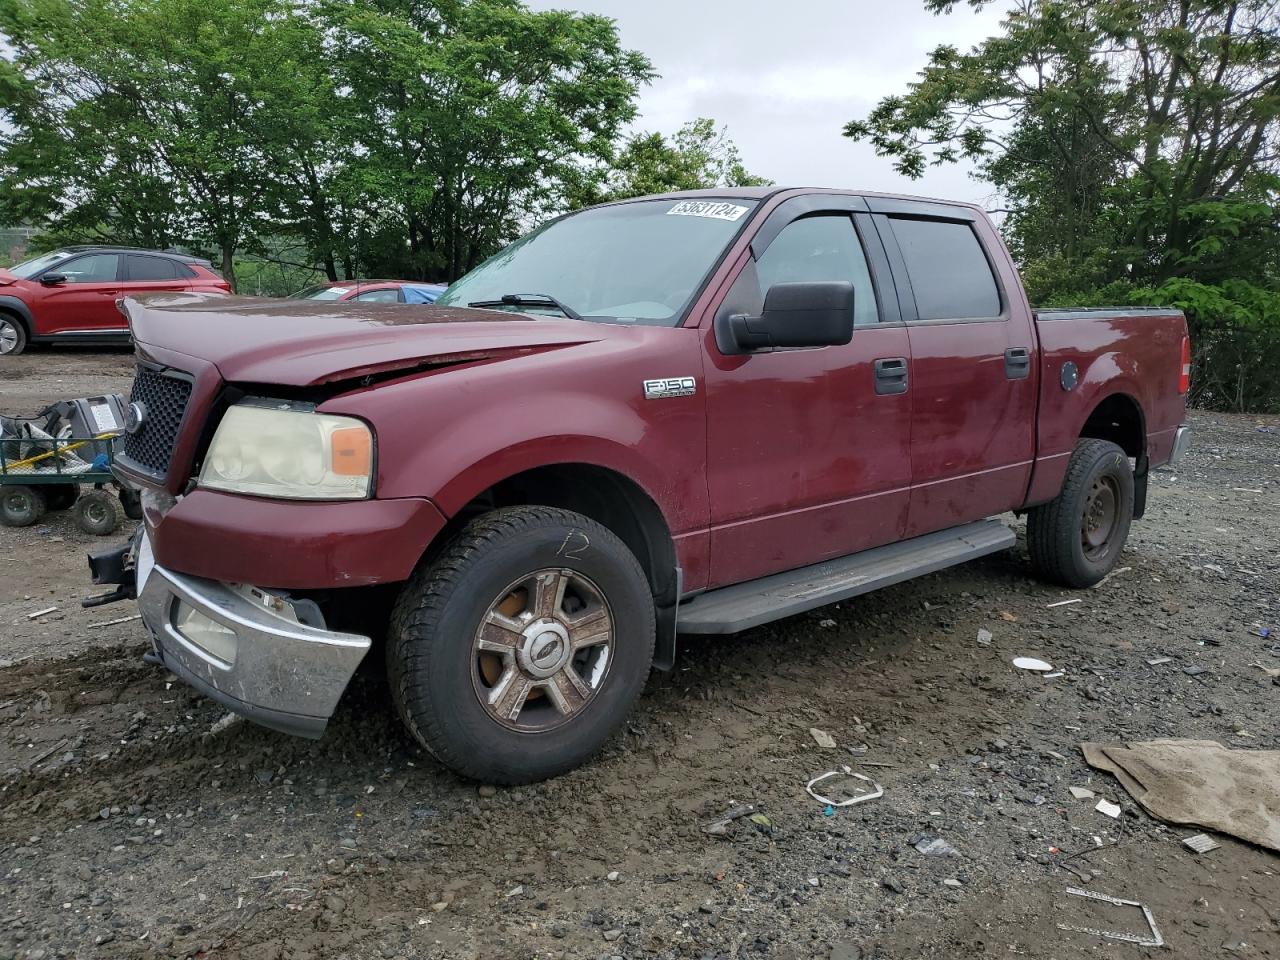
(670, 387)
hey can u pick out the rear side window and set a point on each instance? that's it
(151, 268)
(950, 275)
(821, 248)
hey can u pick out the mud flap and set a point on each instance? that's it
(664, 647)
(1141, 472)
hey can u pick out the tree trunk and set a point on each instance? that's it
(330, 266)
(229, 265)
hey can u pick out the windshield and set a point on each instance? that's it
(29, 268)
(630, 263)
(321, 291)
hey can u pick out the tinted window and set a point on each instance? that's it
(949, 272)
(151, 268)
(821, 248)
(322, 291)
(379, 296)
(29, 268)
(95, 268)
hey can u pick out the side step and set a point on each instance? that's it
(746, 605)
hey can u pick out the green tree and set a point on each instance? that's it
(1136, 146)
(700, 155)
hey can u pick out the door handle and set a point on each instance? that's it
(891, 375)
(1017, 363)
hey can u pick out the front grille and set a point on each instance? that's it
(164, 396)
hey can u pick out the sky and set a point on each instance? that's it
(785, 77)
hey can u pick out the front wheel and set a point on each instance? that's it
(21, 506)
(97, 513)
(13, 335)
(1076, 538)
(519, 650)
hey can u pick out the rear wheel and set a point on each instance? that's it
(1076, 539)
(521, 648)
(21, 506)
(13, 335)
(97, 513)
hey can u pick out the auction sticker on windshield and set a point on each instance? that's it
(716, 210)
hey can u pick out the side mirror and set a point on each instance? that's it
(53, 279)
(810, 314)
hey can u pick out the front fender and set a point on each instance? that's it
(21, 310)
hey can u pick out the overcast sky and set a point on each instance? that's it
(785, 78)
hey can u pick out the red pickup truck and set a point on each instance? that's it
(675, 415)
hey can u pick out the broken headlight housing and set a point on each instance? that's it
(279, 448)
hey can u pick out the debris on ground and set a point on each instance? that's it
(1201, 843)
(1108, 808)
(1153, 940)
(1199, 783)
(872, 793)
(40, 613)
(1081, 793)
(935, 847)
(1063, 603)
(720, 826)
(1032, 663)
(822, 738)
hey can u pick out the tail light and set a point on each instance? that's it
(1184, 379)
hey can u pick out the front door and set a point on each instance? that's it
(85, 301)
(809, 449)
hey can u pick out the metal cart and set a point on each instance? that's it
(41, 475)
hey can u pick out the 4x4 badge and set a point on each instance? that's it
(670, 387)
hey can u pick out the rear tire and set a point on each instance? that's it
(21, 506)
(13, 335)
(1076, 539)
(97, 513)
(519, 650)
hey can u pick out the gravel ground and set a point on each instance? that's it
(135, 822)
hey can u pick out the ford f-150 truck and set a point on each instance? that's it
(669, 416)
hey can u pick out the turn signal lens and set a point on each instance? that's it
(1184, 381)
(352, 452)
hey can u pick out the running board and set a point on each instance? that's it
(746, 605)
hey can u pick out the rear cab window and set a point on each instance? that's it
(950, 274)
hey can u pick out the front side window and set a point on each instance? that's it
(821, 248)
(639, 263)
(95, 268)
(950, 275)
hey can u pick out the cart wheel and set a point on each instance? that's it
(60, 496)
(21, 506)
(98, 513)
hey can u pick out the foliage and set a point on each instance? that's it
(1134, 144)
(699, 156)
(401, 137)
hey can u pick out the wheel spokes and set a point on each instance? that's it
(567, 690)
(509, 694)
(499, 634)
(590, 629)
(548, 593)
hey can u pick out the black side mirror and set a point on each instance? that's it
(811, 314)
(53, 279)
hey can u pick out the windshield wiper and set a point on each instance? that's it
(528, 300)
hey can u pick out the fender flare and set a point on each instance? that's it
(21, 310)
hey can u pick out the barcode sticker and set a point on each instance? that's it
(715, 209)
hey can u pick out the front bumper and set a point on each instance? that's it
(265, 664)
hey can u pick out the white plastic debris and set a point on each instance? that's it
(984, 636)
(1031, 663)
(822, 738)
(1201, 843)
(1082, 793)
(1112, 810)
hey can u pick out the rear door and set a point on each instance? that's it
(144, 273)
(85, 301)
(972, 376)
(808, 449)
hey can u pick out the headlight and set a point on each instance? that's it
(274, 448)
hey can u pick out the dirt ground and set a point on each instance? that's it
(129, 827)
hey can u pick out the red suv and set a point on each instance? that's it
(70, 295)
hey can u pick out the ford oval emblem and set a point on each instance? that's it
(136, 417)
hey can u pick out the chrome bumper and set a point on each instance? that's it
(1181, 443)
(267, 666)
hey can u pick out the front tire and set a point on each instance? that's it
(97, 513)
(521, 648)
(13, 335)
(1076, 539)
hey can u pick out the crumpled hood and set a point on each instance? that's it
(306, 342)
(6, 278)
